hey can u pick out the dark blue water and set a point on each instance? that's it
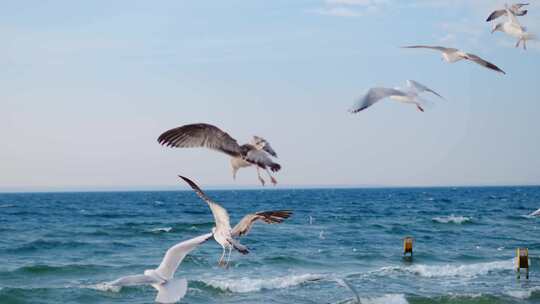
(59, 247)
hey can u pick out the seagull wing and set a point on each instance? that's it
(270, 217)
(495, 14)
(483, 62)
(261, 159)
(134, 280)
(418, 87)
(175, 255)
(432, 47)
(200, 135)
(372, 96)
(517, 6)
(350, 287)
(266, 146)
(221, 217)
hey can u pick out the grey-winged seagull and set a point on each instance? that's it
(170, 289)
(258, 152)
(515, 9)
(409, 95)
(452, 55)
(224, 234)
(513, 28)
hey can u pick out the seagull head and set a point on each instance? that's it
(258, 142)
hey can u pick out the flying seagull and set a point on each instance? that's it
(258, 152)
(344, 283)
(170, 289)
(513, 28)
(410, 95)
(453, 55)
(515, 9)
(224, 234)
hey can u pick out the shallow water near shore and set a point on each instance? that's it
(60, 247)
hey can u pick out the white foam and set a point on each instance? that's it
(104, 287)
(161, 229)
(449, 270)
(245, 285)
(522, 294)
(386, 299)
(452, 219)
(536, 213)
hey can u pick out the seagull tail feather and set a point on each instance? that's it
(172, 291)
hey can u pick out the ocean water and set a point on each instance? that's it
(59, 247)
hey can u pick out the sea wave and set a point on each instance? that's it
(452, 219)
(449, 270)
(42, 244)
(245, 285)
(523, 294)
(161, 229)
(42, 269)
(103, 287)
(386, 299)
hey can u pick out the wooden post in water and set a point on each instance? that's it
(408, 246)
(522, 261)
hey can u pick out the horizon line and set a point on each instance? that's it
(82, 189)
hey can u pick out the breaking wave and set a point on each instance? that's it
(452, 219)
(245, 285)
(449, 270)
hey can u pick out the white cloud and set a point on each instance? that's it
(339, 12)
(351, 8)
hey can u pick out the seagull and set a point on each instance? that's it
(515, 9)
(344, 283)
(224, 234)
(170, 289)
(258, 152)
(513, 28)
(453, 55)
(406, 95)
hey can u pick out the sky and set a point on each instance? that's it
(88, 86)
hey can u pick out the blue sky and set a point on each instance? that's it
(88, 86)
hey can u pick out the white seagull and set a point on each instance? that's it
(452, 55)
(513, 28)
(170, 289)
(258, 152)
(515, 9)
(224, 234)
(409, 95)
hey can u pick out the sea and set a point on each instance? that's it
(62, 247)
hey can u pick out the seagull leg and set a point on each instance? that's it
(259, 176)
(272, 179)
(229, 256)
(525, 44)
(419, 107)
(221, 263)
(518, 42)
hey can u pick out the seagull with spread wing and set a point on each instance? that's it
(224, 234)
(513, 28)
(257, 153)
(409, 95)
(170, 289)
(452, 55)
(515, 9)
